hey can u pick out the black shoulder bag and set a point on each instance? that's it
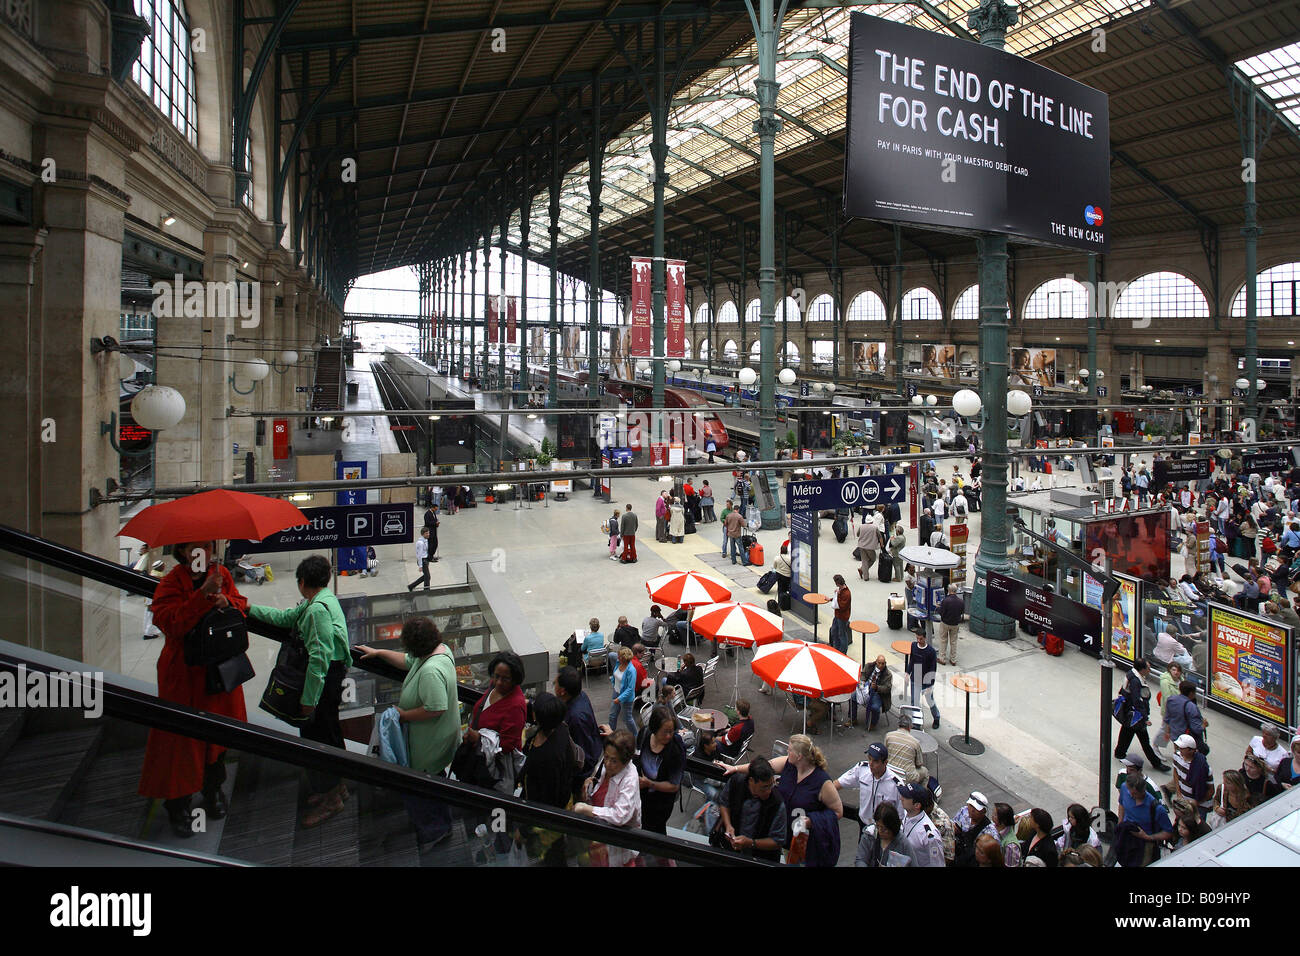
(283, 695)
(219, 643)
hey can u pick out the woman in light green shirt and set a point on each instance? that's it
(430, 709)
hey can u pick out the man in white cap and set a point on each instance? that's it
(1192, 775)
(971, 823)
(1267, 747)
(1133, 769)
(874, 782)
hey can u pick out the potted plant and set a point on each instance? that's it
(546, 455)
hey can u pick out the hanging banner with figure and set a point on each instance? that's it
(675, 308)
(950, 135)
(512, 308)
(639, 307)
(492, 313)
(868, 357)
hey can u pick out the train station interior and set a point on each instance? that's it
(509, 272)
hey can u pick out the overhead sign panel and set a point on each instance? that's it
(1182, 469)
(351, 526)
(1265, 462)
(1069, 620)
(951, 135)
(838, 493)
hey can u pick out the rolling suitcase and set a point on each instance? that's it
(885, 568)
(767, 582)
(756, 553)
(895, 605)
(841, 529)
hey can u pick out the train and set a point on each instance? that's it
(695, 430)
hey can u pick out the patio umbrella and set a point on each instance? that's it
(686, 589)
(810, 670)
(739, 624)
(211, 516)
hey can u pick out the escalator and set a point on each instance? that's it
(68, 775)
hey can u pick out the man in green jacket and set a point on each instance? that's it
(319, 622)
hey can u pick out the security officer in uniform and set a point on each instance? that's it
(876, 785)
(918, 830)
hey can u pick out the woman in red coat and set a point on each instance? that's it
(175, 767)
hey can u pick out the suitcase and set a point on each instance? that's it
(841, 529)
(885, 568)
(1053, 645)
(767, 582)
(756, 553)
(690, 525)
(895, 619)
(747, 542)
(784, 598)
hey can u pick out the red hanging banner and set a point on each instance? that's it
(511, 308)
(675, 308)
(492, 319)
(639, 307)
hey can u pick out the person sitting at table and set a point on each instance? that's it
(730, 743)
(625, 634)
(652, 627)
(594, 640)
(688, 677)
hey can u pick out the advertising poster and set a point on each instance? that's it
(1173, 628)
(639, 308)
(1202, 547)
(512, 308)
(939, 361)
(675, 308)
(947, 134)
(563, 486)
(958, 534)
(1137, 543)
(492, 313)
(803, 568)
(1249, 659)
(620, 363)
(1030, 367)
(1123, 621)
(868, 358)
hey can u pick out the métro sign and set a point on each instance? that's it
(352, 526)
(839, 493)
(1069, 620)
(950, 135)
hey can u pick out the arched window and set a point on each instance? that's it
(823, 351)
(728, 313)
(729, 350)
(756, 351)
(704, 349)
(791, 355)
(822, 309)
(866, 307)
(687, 353)
(751, 312)
(921, 305)
(1162, 295)
(248, 165)
(1058, 299)
(967, 306)
(787, 308)
(165, 69)
(702, 314)
(1277, 292)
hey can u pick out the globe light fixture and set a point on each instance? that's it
(747, 376)
(157, 407)
(1260, 385)
(932, 400)
(1084, 373)
(917, 400)
(1242, 384)
(674, 366)
(966, 403)
(1019, 403)
(786, 376)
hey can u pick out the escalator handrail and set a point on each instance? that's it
(144, 709)
(115, 575)
(12, 822)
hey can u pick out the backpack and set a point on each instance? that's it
(1121, 707)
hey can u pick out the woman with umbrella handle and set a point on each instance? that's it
(175, 767)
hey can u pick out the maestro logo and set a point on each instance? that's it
(1092, 215)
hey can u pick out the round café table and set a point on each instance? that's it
(815, 598)
(717, 720)
(864, 628)
(963, 742)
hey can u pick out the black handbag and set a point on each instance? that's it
(224, 677)
(283, 695)
(221, 634)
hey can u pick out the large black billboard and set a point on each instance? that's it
(946, 134)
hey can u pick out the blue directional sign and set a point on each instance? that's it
(838, 493)
(353, 526)
(1101, 391)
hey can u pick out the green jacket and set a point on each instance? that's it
(324, 632)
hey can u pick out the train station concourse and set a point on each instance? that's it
(728, 433)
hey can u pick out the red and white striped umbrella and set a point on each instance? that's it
(685, 589)
(734, 622)
(812, 670)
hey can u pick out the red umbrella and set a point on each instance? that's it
(687, 589)
(744, 625)
(810, 670)
(211, 516)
